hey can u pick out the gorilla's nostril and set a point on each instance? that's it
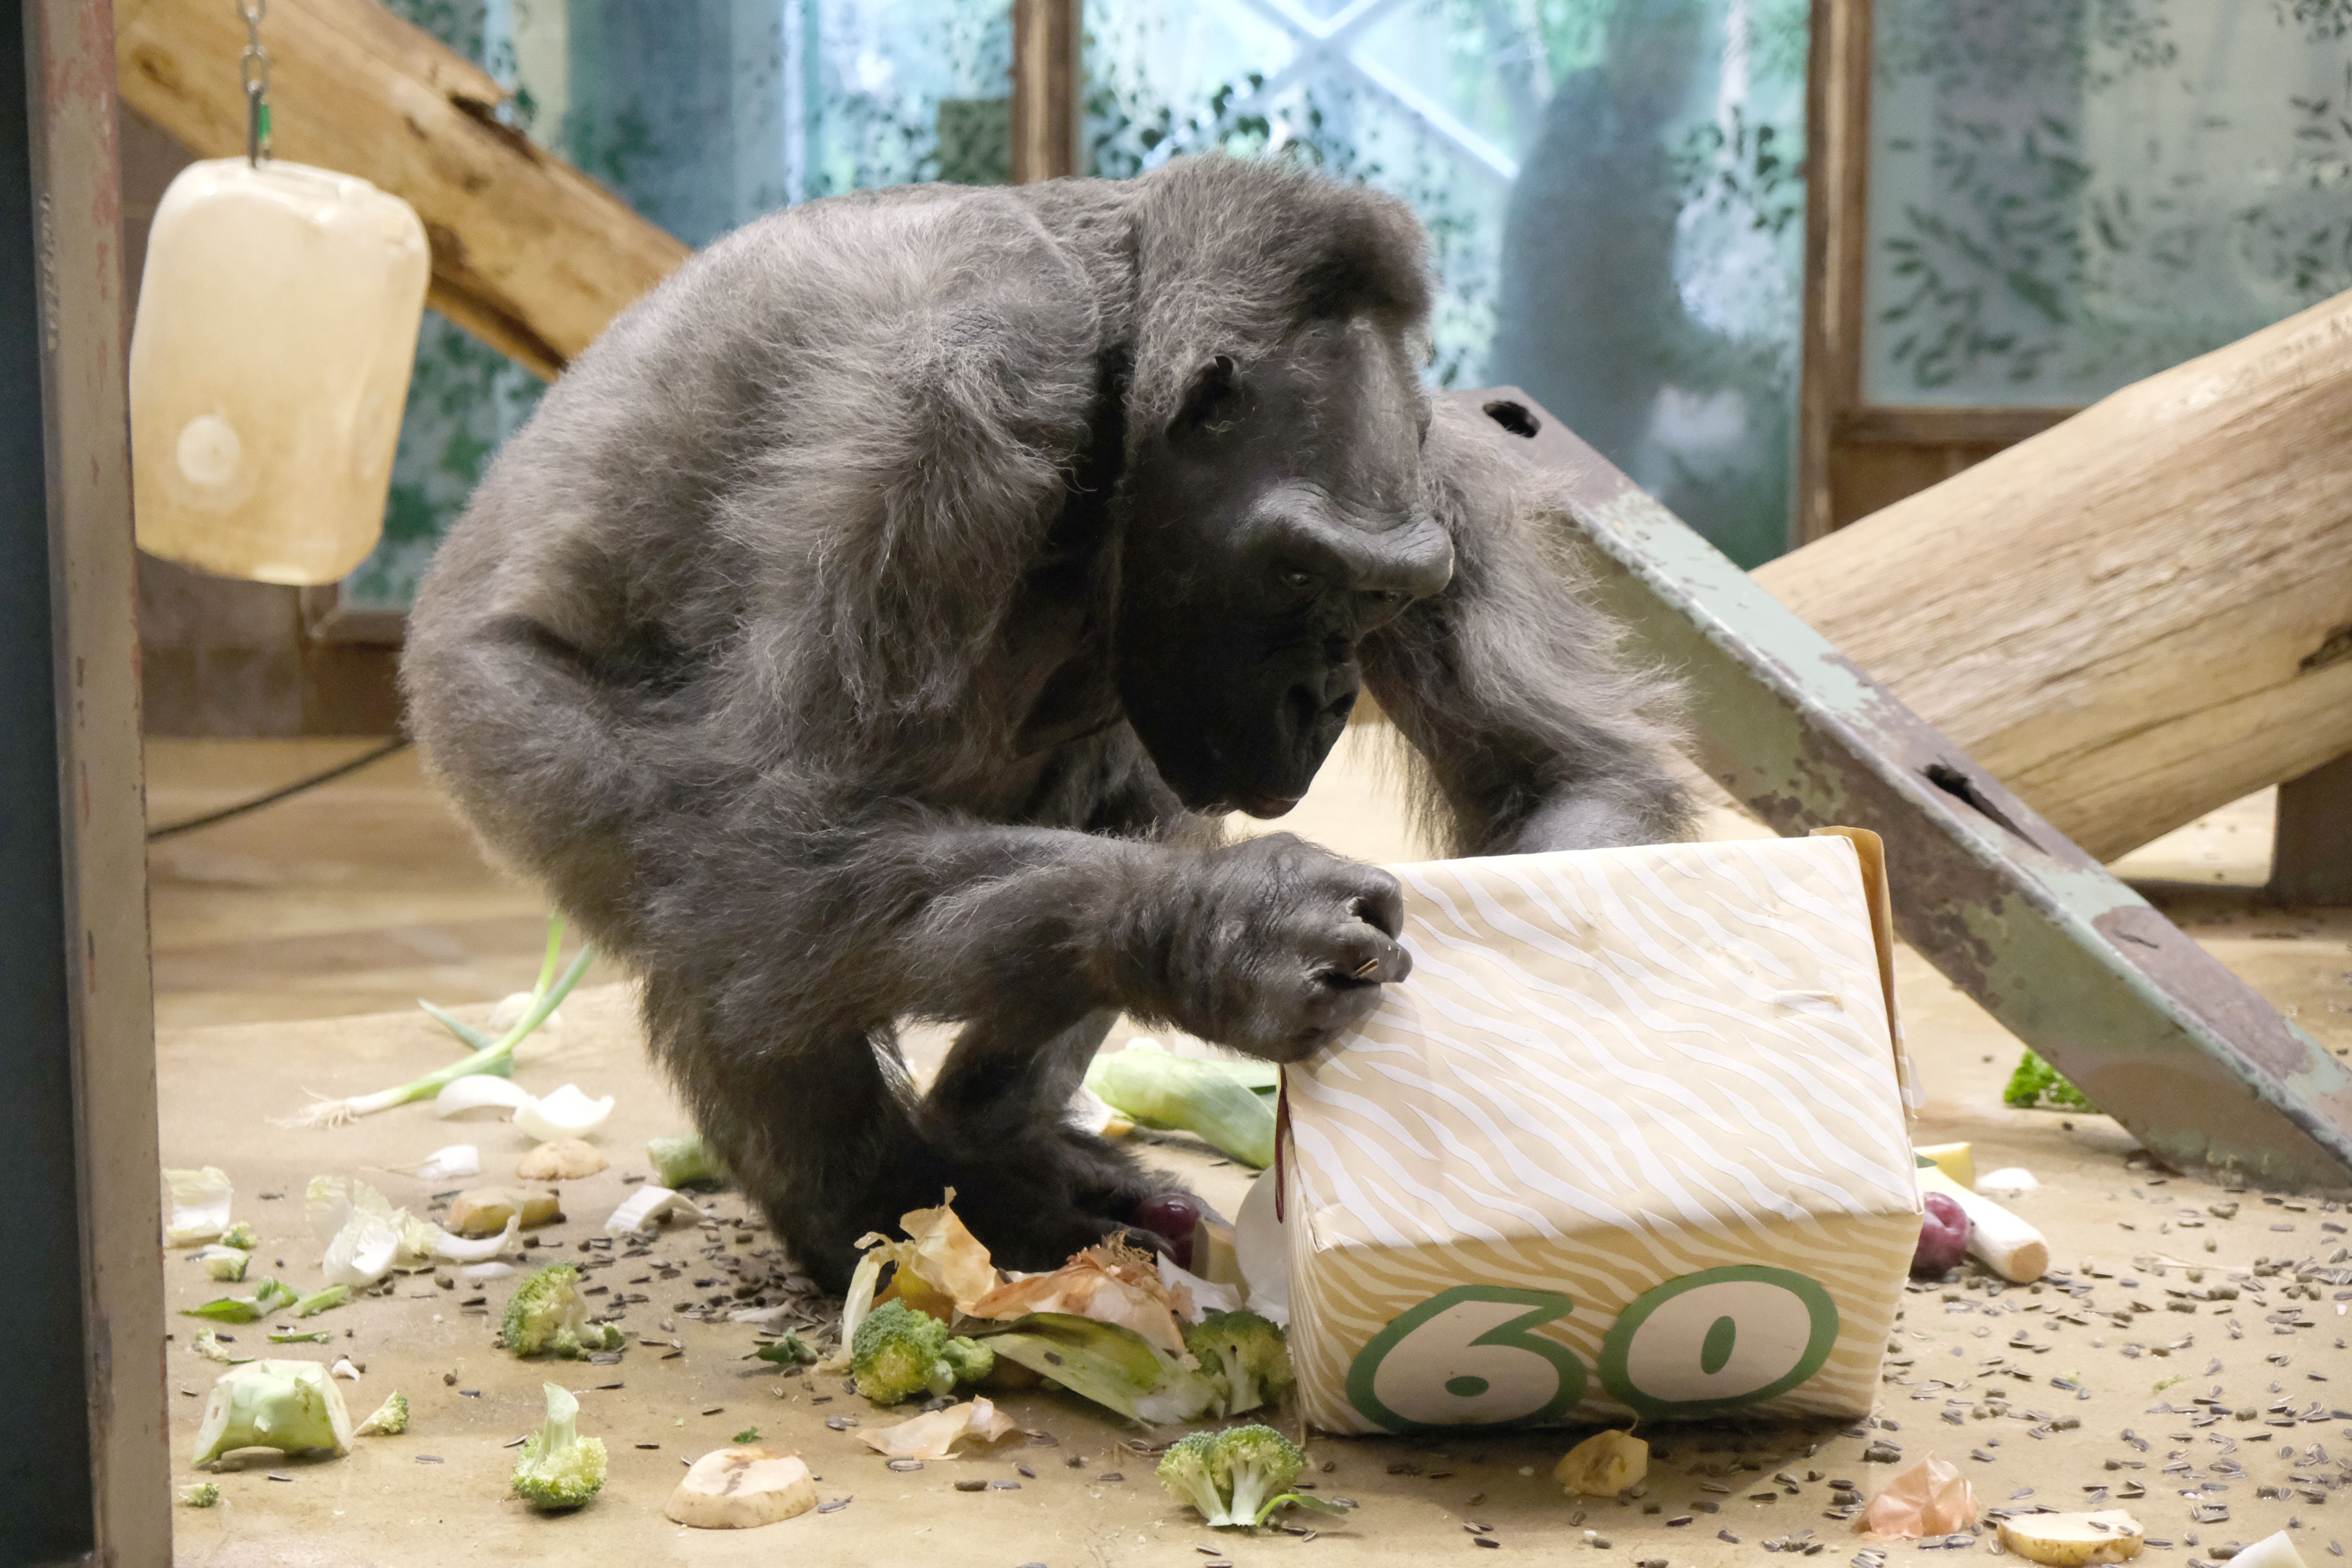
(1342, 706)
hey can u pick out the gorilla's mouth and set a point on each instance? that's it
(1266, 807)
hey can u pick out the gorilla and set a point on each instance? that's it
(875, 622)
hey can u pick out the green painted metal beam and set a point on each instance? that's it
(2150, 1027)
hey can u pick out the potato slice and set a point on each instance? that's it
(741, 1489)
(2063, 1540)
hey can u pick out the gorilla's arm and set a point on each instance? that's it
(1533, 731)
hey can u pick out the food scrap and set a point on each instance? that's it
(741, 1489)
(1604, 1465)
(1931, 1498)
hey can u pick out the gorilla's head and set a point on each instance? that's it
(1276, 520)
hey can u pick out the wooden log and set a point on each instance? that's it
(528, 253)
(2141, 613)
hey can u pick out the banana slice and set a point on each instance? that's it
(2064, 1539)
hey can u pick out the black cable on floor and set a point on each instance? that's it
(341, 769)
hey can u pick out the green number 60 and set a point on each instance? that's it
(1466, 1358)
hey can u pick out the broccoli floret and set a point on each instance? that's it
(2037, 1083)
(1246, 1356)
(1236, 1478)
(898, 1353)
(548, 1316)
(970, 1360)
(559, 1467)
(390, 1420)
(240, 1236)
(202, 1494)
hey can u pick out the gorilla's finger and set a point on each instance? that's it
(1358, 951)
(1378, 899)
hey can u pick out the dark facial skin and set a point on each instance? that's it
(1275, 525)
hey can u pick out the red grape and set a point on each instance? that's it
(1943, 1237)
(1170, 1216)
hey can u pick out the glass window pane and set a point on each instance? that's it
(2067, 196)
(702, 114)
(1613, 190)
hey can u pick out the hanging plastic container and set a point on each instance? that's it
(277, 321)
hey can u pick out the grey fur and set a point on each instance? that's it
(771, 645)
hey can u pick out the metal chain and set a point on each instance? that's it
(253, 70)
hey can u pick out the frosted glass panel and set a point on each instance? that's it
(2066, 195)
(1613, 188)
(702, 114)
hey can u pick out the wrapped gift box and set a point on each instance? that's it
(1630, 1141)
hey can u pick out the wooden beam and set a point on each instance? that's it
(1046, 73)
(1837, 135)
(2310, 848)
(2139, 615)
(1887, 425)
(528, 253)
(93, 819)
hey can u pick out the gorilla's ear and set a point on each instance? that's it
(1208, 397)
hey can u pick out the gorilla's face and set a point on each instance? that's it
(1276, 522)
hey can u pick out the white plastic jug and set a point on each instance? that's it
(277, 321)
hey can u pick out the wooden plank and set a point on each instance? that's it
(528, 253)
(1929, 426)
(1837, 134)
(2311, 854)
(1047, 87)
(2149, 1024)
(2127, 618)
(85, 425)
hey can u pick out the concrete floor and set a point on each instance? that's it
(346, 904)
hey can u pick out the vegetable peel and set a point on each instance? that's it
(932, 1435)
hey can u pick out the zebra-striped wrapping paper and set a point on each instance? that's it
(1631, 1140)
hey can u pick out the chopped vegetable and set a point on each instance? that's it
(2271, 1551)
(1238, 1477)
(226, 1264)
(201, 1494)
(2066, 1540)
(547, 1316)
(290, 1405)
(486, 1211)
(241, 1236)
(1930, 1498)
(496, 1056)
(559, 1467)
(344, 1368)
(741, 1489)
(566, 1113)
(1246, 1358)
(318, 1337)
(2036, 1083)
(1604, 1465)
(900, 1354)
(1202, 1097)
(749, 1435)
(1116, 1367)
(390, 1419)
(195, 1205)
(641, 1209)
(790, 1350)
(324, 1301)
(268, 1296)
(456, 1160)
(932, 1435)
(1943, 1237)
(208, 1345)
(685, 1161)
(1112, 1282)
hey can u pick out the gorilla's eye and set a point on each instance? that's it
(1293, 578)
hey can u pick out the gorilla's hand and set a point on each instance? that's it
(1272, 946)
